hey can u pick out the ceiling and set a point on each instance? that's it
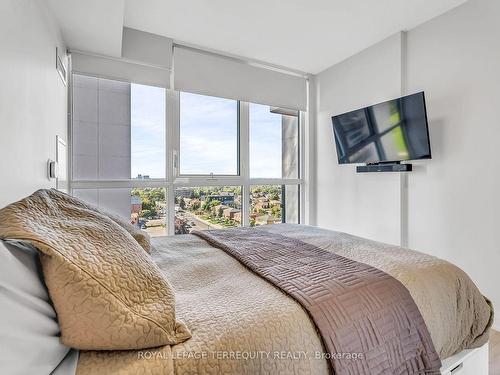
(304, 35)
(91, 25)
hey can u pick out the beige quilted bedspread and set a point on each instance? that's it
(242, 324)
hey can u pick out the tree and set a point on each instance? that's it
(206, 206)
(148, 205)
(276, 211)
(182, 204)
(195, 206)
(150, 197)
(221, 211)
(147, 213)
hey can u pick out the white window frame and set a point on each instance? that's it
(174, 180)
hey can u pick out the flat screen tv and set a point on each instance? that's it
(388, 132)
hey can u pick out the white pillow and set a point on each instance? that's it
(29, 332)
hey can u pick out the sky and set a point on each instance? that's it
(209, 134)
(147, 113)
(265, 142)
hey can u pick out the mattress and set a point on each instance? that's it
(240, 323)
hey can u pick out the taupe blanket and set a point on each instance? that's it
(368, 320)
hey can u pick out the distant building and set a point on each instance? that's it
(265, 220)
(262, 204)
(224, 198)
(229, 213)
(135, 209)
(183, 192)
(191, 202)
(136, 204)
(216, 209)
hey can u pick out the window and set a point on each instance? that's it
(208, 135)
(270, 204)
(144, 208)
(274, 142)
(171, 162)
(147, 131)
(210, 207)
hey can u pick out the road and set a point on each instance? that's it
(156, 227)
(198, 224)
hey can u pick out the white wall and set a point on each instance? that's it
(362, 204)
(33, 99)
(453, 202)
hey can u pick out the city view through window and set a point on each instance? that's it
(149, 210)
(203, 208)
(217, 207)
(119, 132)
(196, 208)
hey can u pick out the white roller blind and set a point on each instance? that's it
(208, 74)
(147, 48)
(105, 67)
(146, 59)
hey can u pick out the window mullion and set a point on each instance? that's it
(302, 169)
(244, 158)
(172, 142)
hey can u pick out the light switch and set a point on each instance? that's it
(51, 169)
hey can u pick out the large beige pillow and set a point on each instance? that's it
(140, 236)
(107, 292)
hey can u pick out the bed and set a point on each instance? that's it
(224, 313)
(233, 313)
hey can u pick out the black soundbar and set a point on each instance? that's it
(384, 168)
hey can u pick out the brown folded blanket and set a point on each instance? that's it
(367, 319)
